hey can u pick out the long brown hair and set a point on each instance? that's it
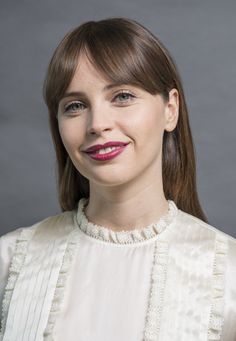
(124, 52)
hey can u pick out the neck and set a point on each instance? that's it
(132, 208)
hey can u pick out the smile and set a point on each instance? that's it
(106, 150)
(105, 154)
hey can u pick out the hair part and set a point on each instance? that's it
(124, 52)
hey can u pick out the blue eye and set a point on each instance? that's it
(124, 96)
(74, 107)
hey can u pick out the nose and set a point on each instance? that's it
(99, 120)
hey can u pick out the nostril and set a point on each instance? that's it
(97, 130)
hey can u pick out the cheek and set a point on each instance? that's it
(71, 135)
(147, 127)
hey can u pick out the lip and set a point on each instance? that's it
(105, 145)
(107, 156)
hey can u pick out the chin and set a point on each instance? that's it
(112, 180)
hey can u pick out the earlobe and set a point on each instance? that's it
(172, 110)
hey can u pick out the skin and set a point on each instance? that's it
(127, 191)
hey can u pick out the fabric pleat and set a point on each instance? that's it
(35, 284)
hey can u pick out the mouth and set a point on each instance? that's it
(97, 147)
(107, 153)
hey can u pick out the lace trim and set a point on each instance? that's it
(14, 270)
(217, 308)
(158, 280)
(61, 282)
(123, 237)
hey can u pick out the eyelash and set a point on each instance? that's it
(68, 107)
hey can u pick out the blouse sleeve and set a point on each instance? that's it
(7, 248)
(229, 326)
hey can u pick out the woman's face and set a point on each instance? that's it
(93, 112)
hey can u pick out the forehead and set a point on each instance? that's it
(86, 73)
(88, 76)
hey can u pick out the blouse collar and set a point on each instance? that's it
(123, 237)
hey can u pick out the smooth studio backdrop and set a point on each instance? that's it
(201, 36)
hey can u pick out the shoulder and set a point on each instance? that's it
(223, 244)
(17, 240)
(52, 225)
(188, 220)
(56, 221)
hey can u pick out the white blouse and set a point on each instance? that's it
(65, 278)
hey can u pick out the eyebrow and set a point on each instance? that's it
(81, 93)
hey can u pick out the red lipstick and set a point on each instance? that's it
(93, 151)
(105, 145)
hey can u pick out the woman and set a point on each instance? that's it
(131, 256)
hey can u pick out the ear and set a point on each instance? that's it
(172, 110)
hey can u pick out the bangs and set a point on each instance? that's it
(119, 59)
(120, 53)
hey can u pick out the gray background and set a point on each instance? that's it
(201, 36)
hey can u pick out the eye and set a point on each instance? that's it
(123, 97)
(74, 107)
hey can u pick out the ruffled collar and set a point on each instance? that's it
(123, 237)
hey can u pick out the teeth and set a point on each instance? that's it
(106, 150)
